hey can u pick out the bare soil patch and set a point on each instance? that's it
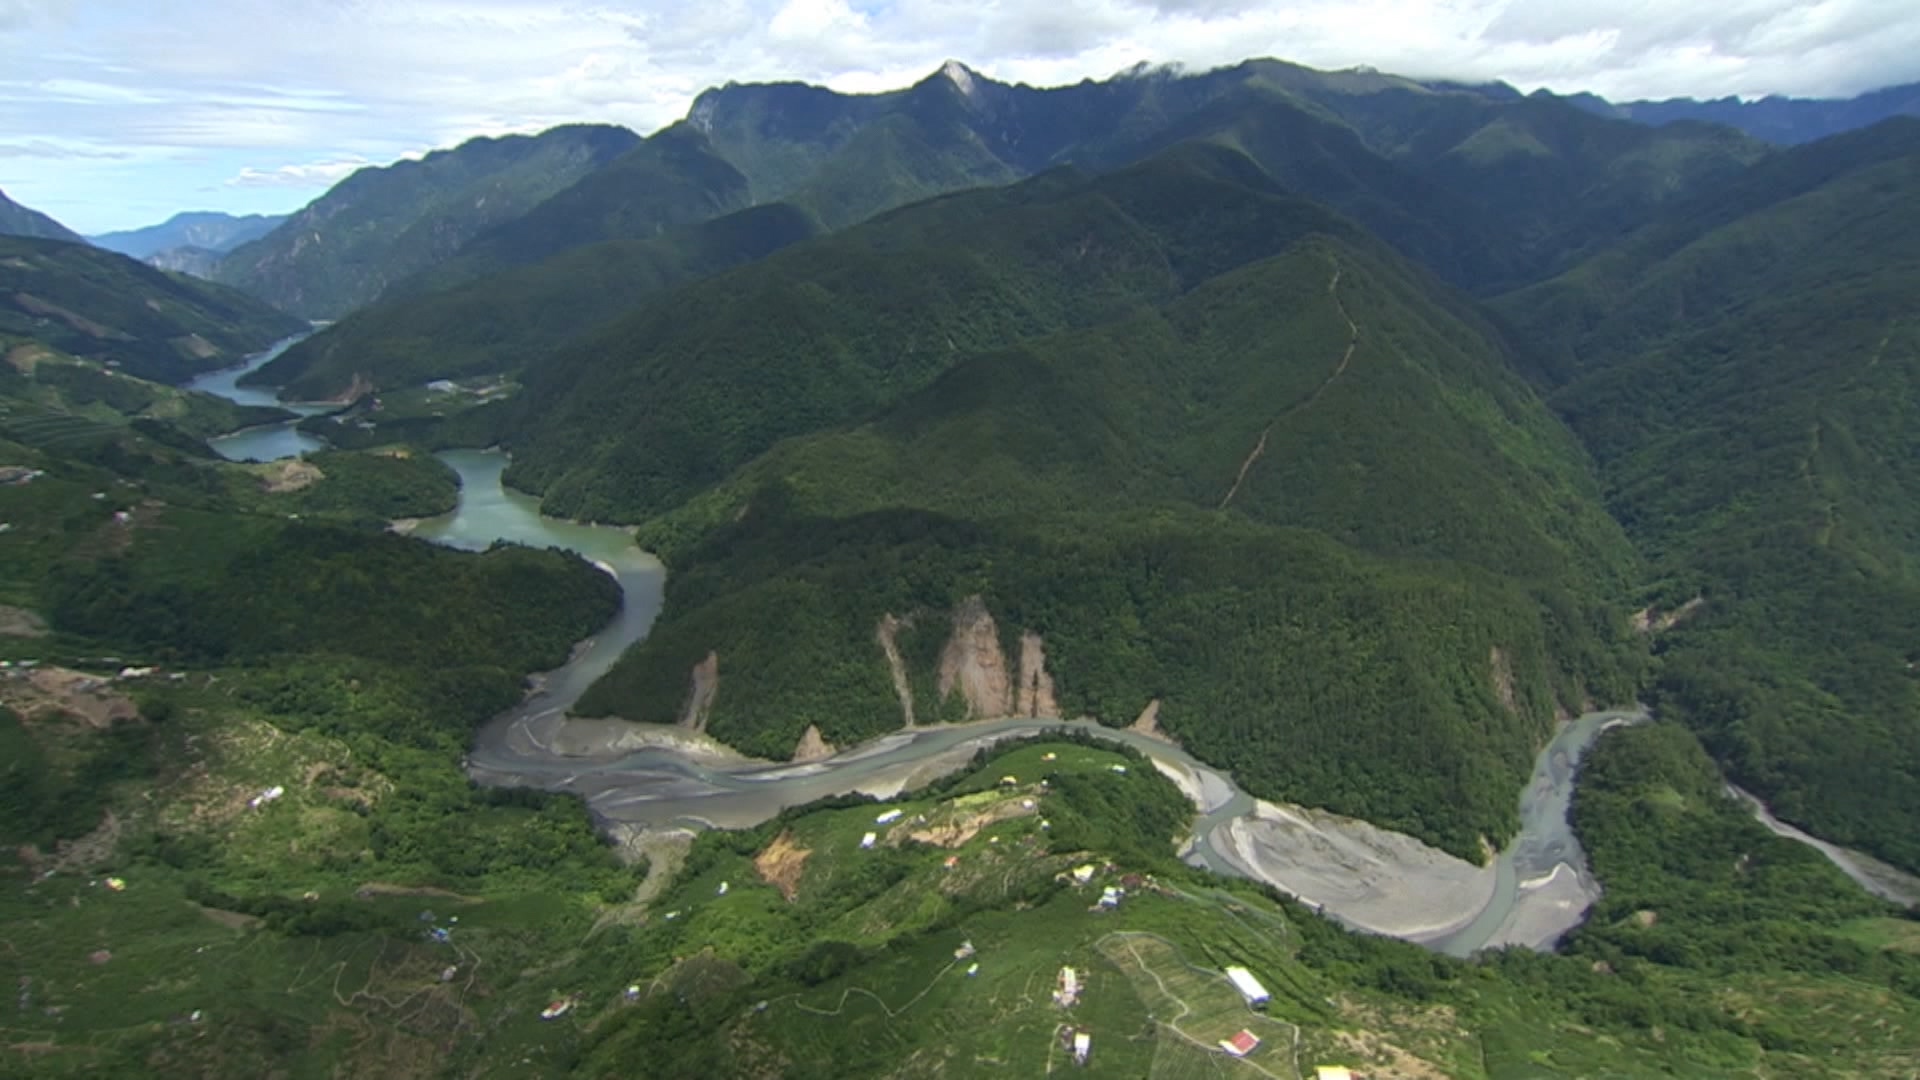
(19, 622)
(48, 692)
(289, 475)
(961, 826)
(782, 864)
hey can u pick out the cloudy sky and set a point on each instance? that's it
(116, 113)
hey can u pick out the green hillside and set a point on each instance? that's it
(503, 322)
(1174, 378)
(1487, 193)
(1744, 374)
(383, 224)
(94, 304)
(17, 220)
(38, 379)
(671, 179)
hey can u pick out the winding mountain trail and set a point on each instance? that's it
(1260, 447)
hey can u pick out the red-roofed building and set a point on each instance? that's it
(1240, 1045)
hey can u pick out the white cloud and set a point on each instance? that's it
(312, 174)
(246, 86)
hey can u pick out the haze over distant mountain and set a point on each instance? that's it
(208, 230)
(17, 220)
(1783, 120)
(381, 224)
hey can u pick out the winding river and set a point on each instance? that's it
(638, 777)
(267, 442)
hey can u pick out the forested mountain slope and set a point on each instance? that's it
(504, 322)
(1488, 193)
(17, 220)
(103, 306)
(1745, 375)
(672, 178)
(382, 224)
(1174, 379)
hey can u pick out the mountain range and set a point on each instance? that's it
(1352, 432)
(644, 399)
(1783, 120)
(1486, 192)
(203, 230)
(381, 224)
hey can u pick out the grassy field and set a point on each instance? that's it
(1201, 1009)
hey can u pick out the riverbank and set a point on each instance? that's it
(1880, 879)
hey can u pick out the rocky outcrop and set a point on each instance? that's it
(289, 475)
(1035, 696)
(1651, 620)
(706, 682)
(1148, 722)
(973, 663)
(1501, 670)
(812, 746)
(887, 633)
(19, 622)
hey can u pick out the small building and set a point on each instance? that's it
(1067, 993)
(1248, 986)
(1332, 1072)
(889, 817)
(1242, 1044)
(868, 840)
(1110, 897)
(1082, 1047)
(1083, 874)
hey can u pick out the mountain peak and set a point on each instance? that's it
(961, 76)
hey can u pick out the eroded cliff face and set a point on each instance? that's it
(1148, 722)
(1500, 670)
(705, 683)
(973, 664)
(813, 746)
(1035, 696)
(887, 633)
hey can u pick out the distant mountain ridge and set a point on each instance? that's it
(1487, 193)
(1783, 121)
(17, 220)
(382, 224)
(208, 230)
